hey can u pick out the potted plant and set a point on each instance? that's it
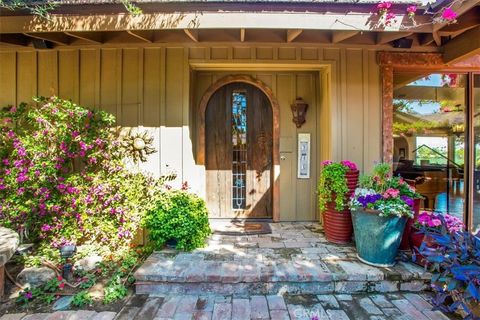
(431, 222)
(409, 193)
(336, 185)
(379, 215)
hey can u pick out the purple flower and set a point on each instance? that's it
(11, 134)
(409, 201)
(5, 162)
(46, 228)
(28, 295)
(22, 177)
(368, 199)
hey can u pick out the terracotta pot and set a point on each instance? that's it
(406, 244)
(337, 224)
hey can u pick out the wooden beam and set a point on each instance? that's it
(242, 35)
(142, 35)
(59, 38)
(386, 37)
(207, 20)
(437, 38)
(465, 45)
(339, 36)
(15, 39)
(424, 39)
(192, 34)
(93, 37)
(292, 34)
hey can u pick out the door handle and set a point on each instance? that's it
(283, 158)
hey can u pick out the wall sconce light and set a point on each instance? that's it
(299, 110)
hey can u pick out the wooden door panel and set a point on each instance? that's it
(219, 153)
(259, 155)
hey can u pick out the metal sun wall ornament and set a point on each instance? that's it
(138, 144)
(299, 110)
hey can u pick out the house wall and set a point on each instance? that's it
(159, 87)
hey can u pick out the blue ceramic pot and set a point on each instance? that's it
(377, 238)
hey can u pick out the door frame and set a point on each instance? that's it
(202, 107)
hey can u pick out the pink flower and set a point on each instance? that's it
(13, 109)
(75, 134)
(384, 5)
(391, 193)
(389, 18)
(351, 165)
(28, 295)
(449, 15)
(411, 10)
(326, 162)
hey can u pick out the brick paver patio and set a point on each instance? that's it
(294, 258)
(292, 273)
(395, 306)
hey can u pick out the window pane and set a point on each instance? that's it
(429, 137)
(239, 141)
(476, 174)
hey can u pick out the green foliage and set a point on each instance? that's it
(332, 186)
(181, 216)
(115, 290)
(38, 8)
(88, 281)
(417, 127)
(43, 8)
(81, 299)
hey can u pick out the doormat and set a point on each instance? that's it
(240, 228)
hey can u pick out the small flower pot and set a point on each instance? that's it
(377, 238)
(337, 224)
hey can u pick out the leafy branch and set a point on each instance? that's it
(43, 8)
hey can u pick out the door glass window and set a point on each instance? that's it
(429, 137)
(476, 173)
(239, 142)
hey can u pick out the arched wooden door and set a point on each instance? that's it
(238, 157)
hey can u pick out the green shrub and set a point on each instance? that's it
(181, 216)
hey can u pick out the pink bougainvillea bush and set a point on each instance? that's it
(62, 178)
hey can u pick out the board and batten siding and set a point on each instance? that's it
(158, 87)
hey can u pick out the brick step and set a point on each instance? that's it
(271, 271)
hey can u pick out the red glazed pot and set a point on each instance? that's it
(416, 241)
(337, 224)
(406, 244)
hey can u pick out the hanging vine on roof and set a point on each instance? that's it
(43, 8)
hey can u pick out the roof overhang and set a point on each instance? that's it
(344, 22)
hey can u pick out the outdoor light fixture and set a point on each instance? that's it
(299, 110)
(66, 252)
